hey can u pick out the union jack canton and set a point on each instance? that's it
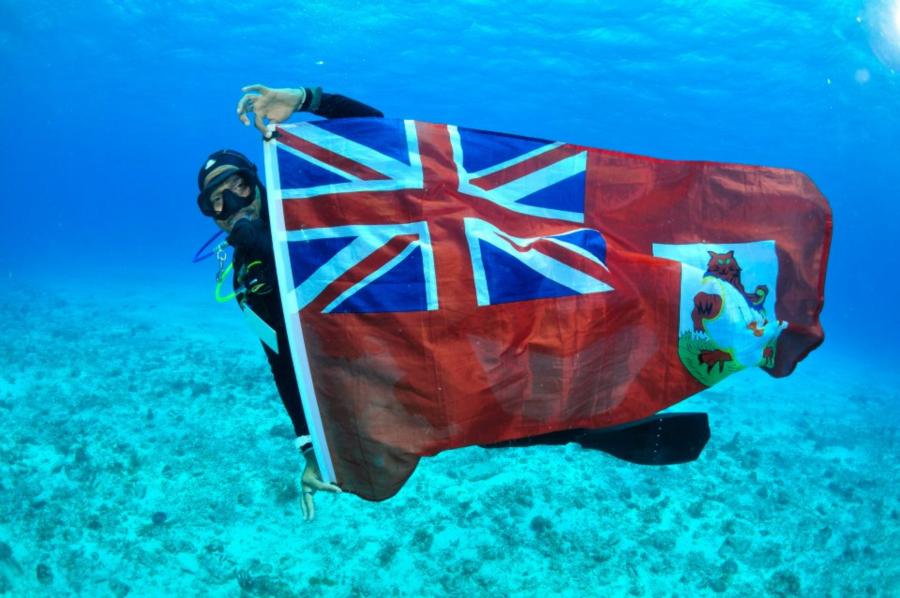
(366, 228)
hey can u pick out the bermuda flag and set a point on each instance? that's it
(445, 286)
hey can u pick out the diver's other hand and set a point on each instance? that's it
(276, 105)
(310, 483)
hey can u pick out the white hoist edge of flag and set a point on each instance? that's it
(289, 305)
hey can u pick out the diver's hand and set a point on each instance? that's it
(310, 483)
(276, 105)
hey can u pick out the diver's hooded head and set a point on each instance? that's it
(217, 169)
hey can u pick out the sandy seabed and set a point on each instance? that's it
(146, 453)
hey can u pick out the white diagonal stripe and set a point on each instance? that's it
(513, 161)
(533, 182)
(386, 165)
(373, 276)
(369, 239)
(317, 162)
(479, 230)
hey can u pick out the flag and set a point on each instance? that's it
(445, 286)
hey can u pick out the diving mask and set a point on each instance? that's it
(232, 200)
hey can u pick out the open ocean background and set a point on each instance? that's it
(144, 451)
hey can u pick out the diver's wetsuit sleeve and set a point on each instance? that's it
(286, 382)
(332, 105)
(253, 242)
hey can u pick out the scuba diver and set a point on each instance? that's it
(232, 194)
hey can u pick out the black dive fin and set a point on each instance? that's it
(664, 439)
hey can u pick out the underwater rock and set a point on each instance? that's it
(491, 552)
(200, 389)
(43, 574)
(664, 542)
(823, 535)
(322, 581)
(652, 515)
(695, 509)
(469, 567)
(718, 585)
(93, 523)
(422, 540)
(7, 558)
(264, 585)
(285, 491)
(118, 588)
(540, 524)
(159, 518)
(784, 583)
(215, 546)
(387, 554)
(729, 567)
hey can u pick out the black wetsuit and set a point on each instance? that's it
(254, 267)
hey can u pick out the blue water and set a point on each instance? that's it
(110, 108)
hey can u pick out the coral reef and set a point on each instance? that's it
(145, 454)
